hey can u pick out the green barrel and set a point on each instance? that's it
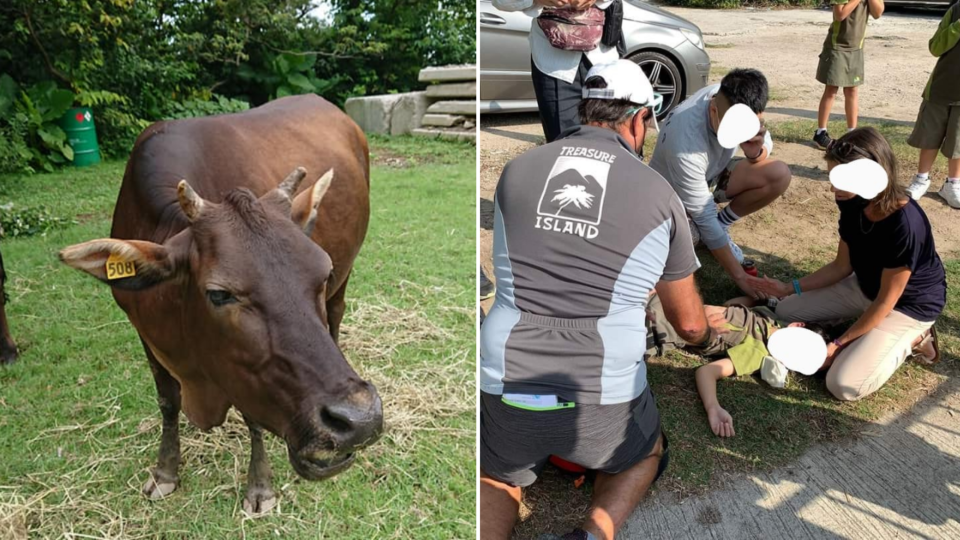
(82, 136)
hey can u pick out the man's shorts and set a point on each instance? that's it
(515, 443)
(843, 69)
(720, 182)
(938, 126)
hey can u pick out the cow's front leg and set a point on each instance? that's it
(165, 477)
(260, 497)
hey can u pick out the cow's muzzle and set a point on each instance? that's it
(344, 427)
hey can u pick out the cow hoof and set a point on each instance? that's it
(156, 488)
(259, 501)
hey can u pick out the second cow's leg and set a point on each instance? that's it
(260, 497)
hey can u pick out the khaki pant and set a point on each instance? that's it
(867, 363)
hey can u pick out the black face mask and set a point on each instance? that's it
(856, 203)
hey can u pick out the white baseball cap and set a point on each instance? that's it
(625, 80)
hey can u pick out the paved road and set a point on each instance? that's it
(901, 480)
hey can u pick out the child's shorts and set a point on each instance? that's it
(843, 69)
(938, 126)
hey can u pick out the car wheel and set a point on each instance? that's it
(664, 77)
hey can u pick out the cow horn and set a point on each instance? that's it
(290, 184)
(319, 190)
(190, 202)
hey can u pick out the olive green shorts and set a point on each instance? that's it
(840, 68)
(937, 126)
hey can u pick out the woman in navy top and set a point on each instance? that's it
(886, 273)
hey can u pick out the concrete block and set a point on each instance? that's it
(466, 72)
(372, 113)
(468, 108)
(453, 90)
(442, 120)
(447, 134)
(408, 112)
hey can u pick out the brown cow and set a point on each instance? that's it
(8, 349)
(234, 304)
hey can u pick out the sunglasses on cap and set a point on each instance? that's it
(656, 105)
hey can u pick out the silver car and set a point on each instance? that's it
(668, 48)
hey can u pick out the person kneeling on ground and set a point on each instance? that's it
(582, 232)
(887, 272)
(689, 155)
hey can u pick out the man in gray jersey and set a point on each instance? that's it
(583, 231)
(691, 158)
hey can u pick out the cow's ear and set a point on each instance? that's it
(125, 264)
(307, 204)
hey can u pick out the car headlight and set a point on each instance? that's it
(693, 37)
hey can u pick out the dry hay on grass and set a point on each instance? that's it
(417, 397)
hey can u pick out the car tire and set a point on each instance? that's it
(669, 83)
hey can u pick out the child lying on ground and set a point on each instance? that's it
(742, 348)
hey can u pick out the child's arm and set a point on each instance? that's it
(841, 11)
(876, 8)
(707, 376)
(947, 34)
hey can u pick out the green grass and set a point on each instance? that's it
(719, 45)
(79, 425)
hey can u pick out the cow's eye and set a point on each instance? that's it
(220, 297)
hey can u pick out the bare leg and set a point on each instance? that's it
(499, 506)
(953, 168)
(165, 477)
(260, 497)
(927, 157)
(755, 185)
(851, 105)
(826, 104)
(336, 305)
(616, 496)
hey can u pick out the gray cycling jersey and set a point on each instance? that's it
(583, 230)
(689, 156)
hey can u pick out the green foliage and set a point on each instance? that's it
(34, 116)
(194, 108)
(138, 61)
(21, 222)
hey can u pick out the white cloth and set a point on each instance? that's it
(689, 155)
(554, 62)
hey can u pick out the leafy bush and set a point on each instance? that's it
(19, 222)
(194, 108)
(35, 118)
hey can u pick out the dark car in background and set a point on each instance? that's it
(668, 48)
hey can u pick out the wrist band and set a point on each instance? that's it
(837, 343)
(756, 157)
(796, 286)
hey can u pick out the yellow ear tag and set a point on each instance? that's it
(117, 268)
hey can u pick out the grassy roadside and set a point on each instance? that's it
(79, 424)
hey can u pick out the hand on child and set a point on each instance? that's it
(770, 287)
(720, 422)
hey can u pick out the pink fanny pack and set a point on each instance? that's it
(572, 30)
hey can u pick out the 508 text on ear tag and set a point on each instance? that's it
(118, 268)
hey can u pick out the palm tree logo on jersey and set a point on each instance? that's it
(577, 195)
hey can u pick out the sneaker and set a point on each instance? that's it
(918, 187)
(927, 349)
(487, 288)
(822, 139)
(951, 193)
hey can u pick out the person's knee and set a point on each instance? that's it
(788, 309)
(778, 177)
(830, 91)
(850, 91)
(843, 388)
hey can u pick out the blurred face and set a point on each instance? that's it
(838, 194)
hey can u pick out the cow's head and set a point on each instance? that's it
(250, 291)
